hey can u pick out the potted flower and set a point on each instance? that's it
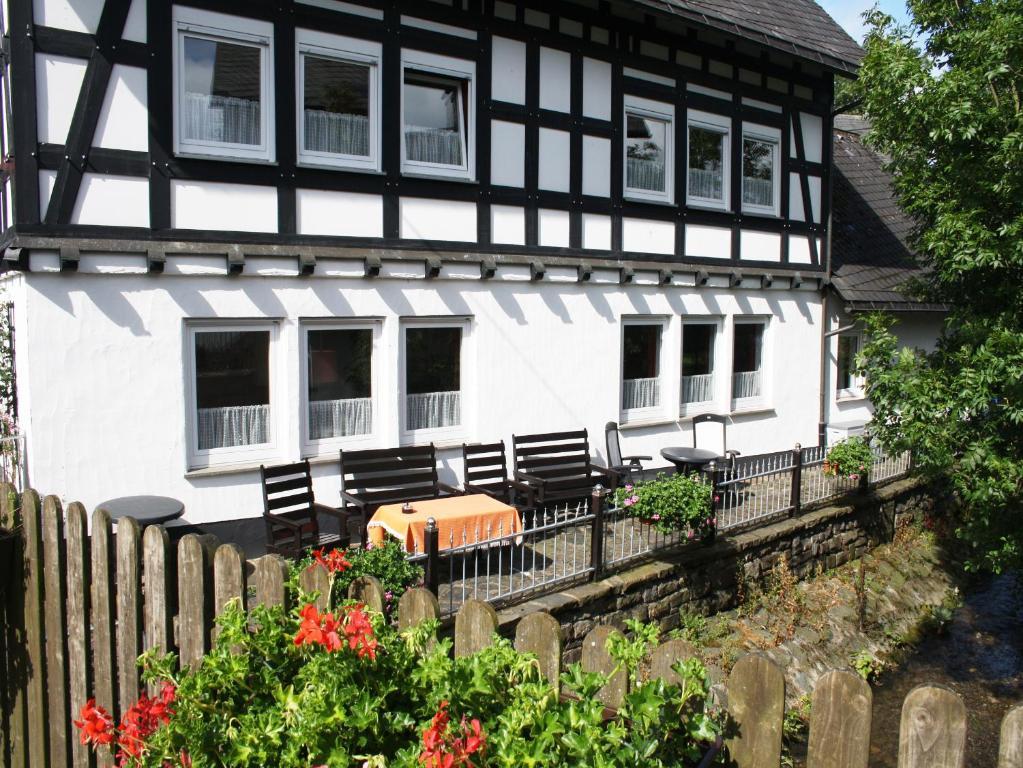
(669, 503)
(851, 458)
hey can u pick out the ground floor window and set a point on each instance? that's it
(641, 365)
(231, 390)
(847, 383)
(748, 360)
(698, 362)
(339, 365)
(433, 376)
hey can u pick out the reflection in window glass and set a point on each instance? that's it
(706, 163)
(232, 388)
(336, 106)
(697, 362)
(433, 377)
(434, 118)
(640, 366)
(645, 142)
(757, 172)
(747, 359)
(221, 101)
(339, 374)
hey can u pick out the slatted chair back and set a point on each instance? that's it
(486, 467)
(388, 475)
(614, 448)
(559, 463)
(288, 495)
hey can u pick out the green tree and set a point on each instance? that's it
(944, 98)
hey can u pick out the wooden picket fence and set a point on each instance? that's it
(81, 604)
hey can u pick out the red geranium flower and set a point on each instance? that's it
(96, 725)
(318, 629)
(444, 749)
(334, 561)
(359, 631)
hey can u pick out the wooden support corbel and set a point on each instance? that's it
(625, 275)
(584, 272)
(664, 276)
(235, 262)
(537, 270)
(734, 278)
(306, 264)
(432, 267)
(488, 268)
(702, 277)
(156, 260)
(69, 256)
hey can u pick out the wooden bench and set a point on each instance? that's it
(558, 465)
(371, 478)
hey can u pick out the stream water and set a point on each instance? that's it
(980, 657)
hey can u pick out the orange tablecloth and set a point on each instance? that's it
(454, 515)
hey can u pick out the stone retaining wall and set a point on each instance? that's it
(704, 579)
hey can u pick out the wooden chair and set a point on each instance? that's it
(558, 465)
(486, 471)
(629, 468)
(372, 478)
(714, 418)
(291, 513)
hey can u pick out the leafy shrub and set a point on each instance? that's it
(867, 665)
(850, 458)
(305, 688)
(670, 503)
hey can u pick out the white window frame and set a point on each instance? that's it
(249, 454)
(654, 110)
(435, 434)
(704, 406)
(760, 401)
(721, 124)
(221, 27)
(770, 136)
(632, 415)
(350, 51)
(330, 445)
(432, 63)
(855, 392)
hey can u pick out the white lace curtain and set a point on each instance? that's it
(746, 384)
(336, 132)
(433, 145)
(225, 119)
(431, 410)
(758, 191)
(340, 418)
(646, 174)
(706, 184)
(698, 389)
(233, 426)
(641, 393)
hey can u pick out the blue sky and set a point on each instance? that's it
(847, 13)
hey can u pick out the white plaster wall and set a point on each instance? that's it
(759, 246)
(76, 15)
(112, 200)
(508, 224)
(507, 153)
(135, 24)
(124, 119)
(58, 81)
(648, 236)
(597, 89)
(555, 160)
(596, 166)
(596, 231)
(219, 206)
(321, 212)
(545, 356)
(509, 66)
(555, 80)
(553, 228)
(422, 219)
(708, 242)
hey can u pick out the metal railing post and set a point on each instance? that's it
(597, 532)
(795, 501)
(432, 547)
(717, 476)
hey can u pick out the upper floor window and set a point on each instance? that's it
(339, 93)
(649, 139)
(438, 115)
(641, 365)
(708, 139)
(339, 382)
(223, 102)
(760, 169)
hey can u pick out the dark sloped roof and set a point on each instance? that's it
(871, 258)
(800, 27)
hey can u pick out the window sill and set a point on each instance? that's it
(418, 173)
(226, 158)
(850, 397)
(633, 197)
(650, 422)
(706, 205)
(326, 165)
(753, 410)
(238, 468)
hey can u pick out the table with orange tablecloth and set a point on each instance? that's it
(454, 515)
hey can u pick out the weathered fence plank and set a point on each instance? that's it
(34, 623)
(595, 658)
(416, 606)
(756, 700)
(193, 601)
(369, 591)
(15, 672)
(104, 664)
(129, 609)
(1010, 751)
(228, 577)
(475, 626)
(78, 646)
(271, 576)
(158, 577)
(55, 627)
(316, 579)
(660, 660)
(539, 633)
(840, 721)
(932, 732)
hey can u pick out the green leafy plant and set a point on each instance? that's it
(867, 665)
(692, 628)
(850, 458)
(670, 503)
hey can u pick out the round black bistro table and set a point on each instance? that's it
(688, 459)
(147, 510)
